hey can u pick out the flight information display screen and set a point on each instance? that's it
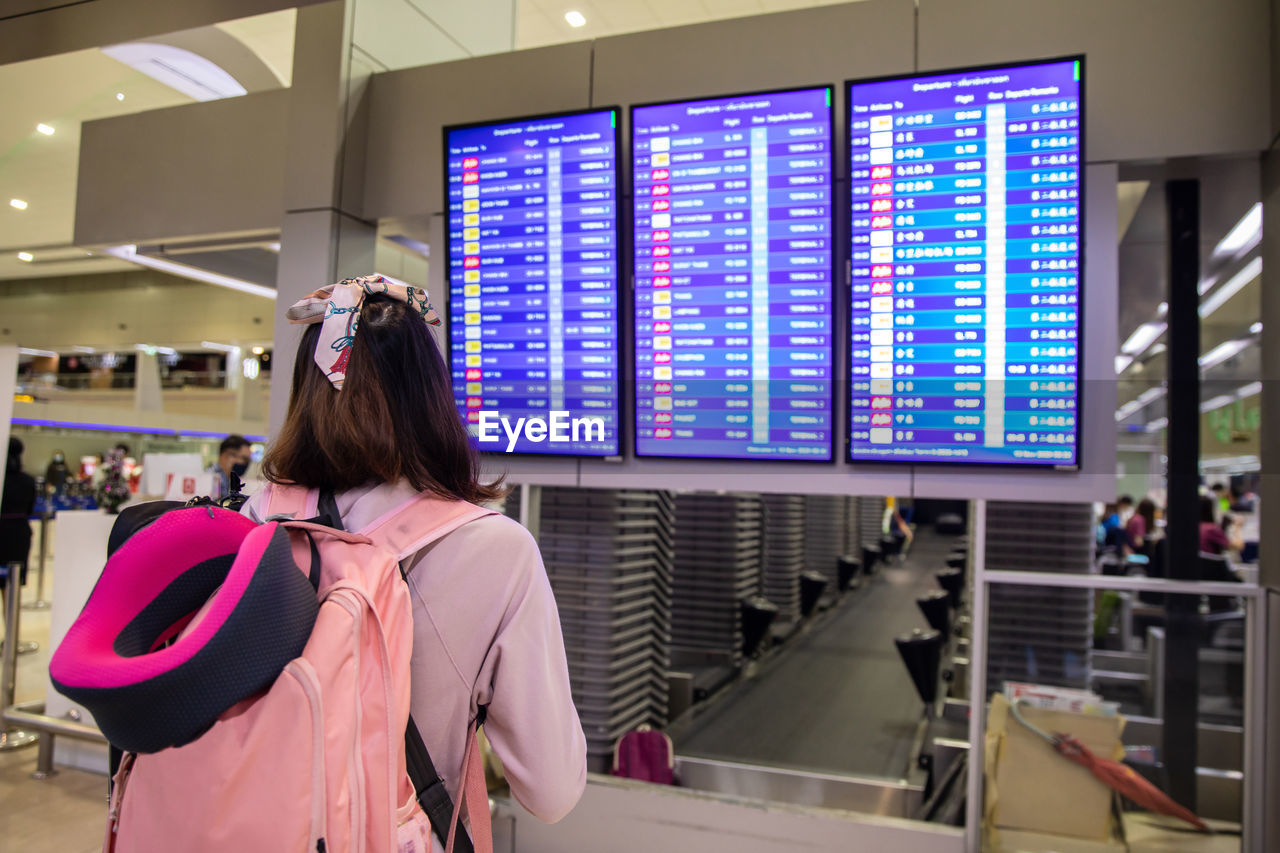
(966, 265)
(733, 276)
(533, 282)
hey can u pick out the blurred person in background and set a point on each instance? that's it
(1221, 500)
(1113, 525)
(233, 458)
(58, 473)
(1140, 528)
(18, 503)
(1215, 538)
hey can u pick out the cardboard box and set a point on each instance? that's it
(1018, 841)
(1031, 787)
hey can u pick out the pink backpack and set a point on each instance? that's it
(316, 761)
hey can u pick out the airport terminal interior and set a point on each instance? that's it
(883, 382)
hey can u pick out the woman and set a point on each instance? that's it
(372, 418)
(1213, 539)
(1140, 527)
(15, 511)
(57, 473)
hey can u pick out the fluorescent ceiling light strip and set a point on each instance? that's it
(1122, 363)
(1126, 411)
(1249, 390)
(151, 348)
(1246, 233)
(1217, 402)
(42, 352)
(220, 347)
(1222, 352)
(1157, 425)
(1143, 337)
(130, 253)
(1140, 402)
(1151, 394)
(1249, 461)
(1256, 328)
(93, 427)
(1233, 285)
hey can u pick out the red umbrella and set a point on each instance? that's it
(1115, 775)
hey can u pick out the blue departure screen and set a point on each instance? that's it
(533, 282)
(966, 230)
(733, 276)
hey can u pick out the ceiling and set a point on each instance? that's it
(65, 90)
(542, 22)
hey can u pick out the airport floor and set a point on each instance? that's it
(836, 698)
(65, 814)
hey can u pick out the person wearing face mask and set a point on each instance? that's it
(57, 474)
(233, 458)
(15, 511)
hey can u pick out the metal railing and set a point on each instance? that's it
(26, 724)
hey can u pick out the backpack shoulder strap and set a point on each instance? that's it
(414, 525)
(405, 530)
(289, 500)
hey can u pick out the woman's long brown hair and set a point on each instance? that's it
(395, 417)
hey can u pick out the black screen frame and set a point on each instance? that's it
(622, 314)
(960, 464)
(831, 458)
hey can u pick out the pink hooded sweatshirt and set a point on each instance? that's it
(486, 632)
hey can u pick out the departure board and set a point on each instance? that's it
(733, 276)
(533, 282)
(966, 265)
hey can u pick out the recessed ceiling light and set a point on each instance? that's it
(259, 350)
(26, 256)
(47, 130)
(575, 18)
(1256, 328)
(119, 96)
(18, 203)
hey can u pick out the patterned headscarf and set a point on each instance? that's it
(338, 308)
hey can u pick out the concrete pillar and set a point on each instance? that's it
(232, 365)
(249, 400)
(147, 394)
(8, 384)
(323, 237)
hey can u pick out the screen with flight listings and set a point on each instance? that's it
(733, 276)
(966, 265)
(533, 282)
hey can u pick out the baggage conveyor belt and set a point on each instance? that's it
(837, 697)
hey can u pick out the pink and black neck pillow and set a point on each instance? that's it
(149, 683)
